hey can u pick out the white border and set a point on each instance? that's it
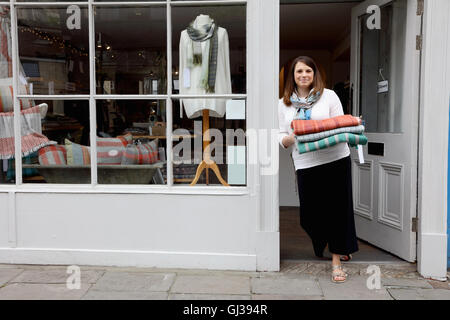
(93, 187)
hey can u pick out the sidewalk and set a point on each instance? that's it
(295, 281)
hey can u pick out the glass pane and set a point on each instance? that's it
(227, 148)
(7, 174)
(51, 0)
(131, 143)
(131, 54)
(382, 66)
(211, 61)
(54, 50)
(55, 142)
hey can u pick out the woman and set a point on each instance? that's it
(324, 176)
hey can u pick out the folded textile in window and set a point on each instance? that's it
(351, 138)
(32, 140)
(329, 133)
(302, 127)
(145, 153)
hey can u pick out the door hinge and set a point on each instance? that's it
(420, 7)
(415, 225)
(419, 40)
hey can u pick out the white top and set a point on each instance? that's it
(329, 106)
(195, 107)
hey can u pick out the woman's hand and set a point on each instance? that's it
(289, 140)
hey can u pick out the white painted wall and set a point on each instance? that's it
(3, 219)
(167, 230)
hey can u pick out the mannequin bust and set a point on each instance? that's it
(190, 76)
(192, 83)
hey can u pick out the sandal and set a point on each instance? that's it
(346, 258)
(338, 273)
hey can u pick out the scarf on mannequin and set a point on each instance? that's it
(206, 57)
(304, 105)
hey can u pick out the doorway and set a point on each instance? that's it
(326, 36)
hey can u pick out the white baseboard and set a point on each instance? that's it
(142, 259)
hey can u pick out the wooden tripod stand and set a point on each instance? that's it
(207, 163)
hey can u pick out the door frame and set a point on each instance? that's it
(369, 220)
(433, 140)
(433, 114)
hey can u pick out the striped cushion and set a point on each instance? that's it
(53, 155)
(6, 96)
(325, 134)
(146, 153)
(77, 154)
(350, 138)
(110, 150)
(302, 127)
(26, 172)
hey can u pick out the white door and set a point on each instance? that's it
(385, 66)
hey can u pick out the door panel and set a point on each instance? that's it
(385, 187)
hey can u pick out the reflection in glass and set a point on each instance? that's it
(54, 50)
(57, 127)
(7, 174)
(227, 147)
(197, 70)
(131, 143)
(382, 66)
(131, 54)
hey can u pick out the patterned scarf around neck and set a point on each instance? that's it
(206, 57)
(304, 105)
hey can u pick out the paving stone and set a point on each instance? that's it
(31, 291)
(405, 283)
(293, 267)
(135, 282)
(405, 294)
(355, 288)
(439, 284)
(190, 296)
(406, 270)
(436, 294)
(56, 276)
(124, 295)
(317, 269)
(283, 285)
(7, 274)
(284, 297)
(209, 284)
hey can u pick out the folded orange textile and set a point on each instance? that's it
(302, 127)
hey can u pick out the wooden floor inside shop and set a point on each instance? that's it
(296, 245)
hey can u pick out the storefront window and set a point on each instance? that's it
(131, 50)
(54, 50)
(131, 142)
(7, 101)
(139, 88)
(61, 134)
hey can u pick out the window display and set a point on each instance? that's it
(131, 93)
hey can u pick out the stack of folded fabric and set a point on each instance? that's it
(313, 135)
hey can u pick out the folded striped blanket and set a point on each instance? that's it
(302, 127)
(350, 138)
(329, 133)
(30, 125)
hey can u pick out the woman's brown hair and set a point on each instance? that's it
(318, 83)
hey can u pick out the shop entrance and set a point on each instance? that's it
(375, 71)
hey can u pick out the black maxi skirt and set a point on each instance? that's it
(326, 207)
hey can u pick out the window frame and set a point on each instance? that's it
(93, 97)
